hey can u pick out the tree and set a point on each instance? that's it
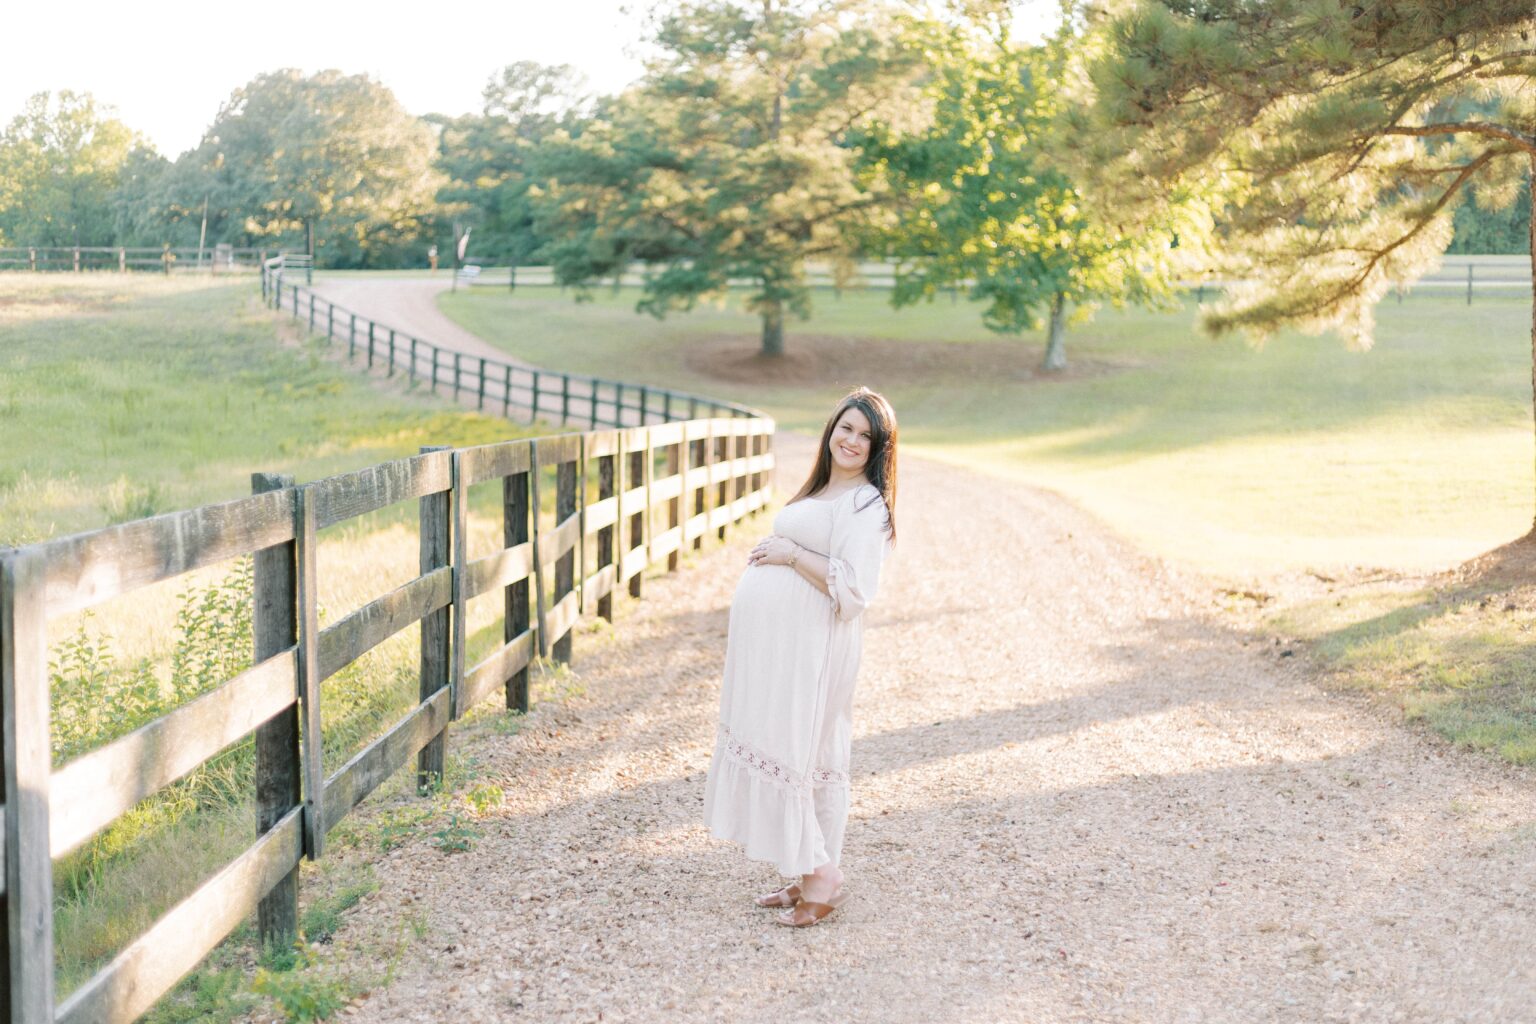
(987, 206)
(487, 157)
(1346, 135)
(731, 159)
(330, 161)
(1320, 118)
(61, 161)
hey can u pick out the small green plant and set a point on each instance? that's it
(300, 992)
(455, 837)
(484, 798)
(399, 825)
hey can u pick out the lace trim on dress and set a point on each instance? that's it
(771, 770)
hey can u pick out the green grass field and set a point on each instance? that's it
(1241, 461)
(123, 397)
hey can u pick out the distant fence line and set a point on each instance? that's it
(1471, 273)
(122, 259)
(563, 554)
(537, 393)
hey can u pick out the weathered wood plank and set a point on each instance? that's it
(698, 476)
(369, 767)
(353, 494)
(505, 567)
(665, 434)
(696, 430)
(156, 960)
(562, 617)
(601, 443)
(91, 791)
(88, 568)
(719, 516)
(634, 500)
(306, 551)
(634, 561)
(561, 448)
(493, 461)
(563, 538)
(24, 754)
(279, 771)
(343, 642)
(600, 584)
(665, 489)
(601, 514)
(568, 490)
(496, 670)
(666, 542)
(696, 526)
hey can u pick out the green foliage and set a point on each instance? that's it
(289, 153)
(730, 160)
(484, 798)
(455, 836)
(1341, 137)
(986, 204)
(488, 157)
(63, 163)
(1481, 232)
(93, 699)
(301, 992)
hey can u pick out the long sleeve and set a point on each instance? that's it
(859, 546)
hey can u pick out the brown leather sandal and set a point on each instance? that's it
(785, 897)
(807, 913)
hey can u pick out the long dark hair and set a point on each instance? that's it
(880, 468)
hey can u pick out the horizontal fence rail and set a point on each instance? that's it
(583, 515)
(122, 259)
(533, 393)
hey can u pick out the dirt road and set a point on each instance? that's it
(1079, 795)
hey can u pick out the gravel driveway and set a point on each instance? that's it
(1079, 795)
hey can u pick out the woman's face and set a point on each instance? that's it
(850, 441)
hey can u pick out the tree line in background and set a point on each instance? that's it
(1319, 152)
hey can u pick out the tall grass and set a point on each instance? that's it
(127, 397)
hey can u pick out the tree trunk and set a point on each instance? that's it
(1531, 227)
(1056, 341)
(773, 329)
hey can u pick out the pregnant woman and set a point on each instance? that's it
(778, 781)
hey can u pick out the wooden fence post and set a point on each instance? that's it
(618, 399)
(122, 260)
(275, 626)
(677, 462)
(638, 475)
(607, 487)
(436, 634)
(26, 976)
(77, 259)
(506, 393)
(533, 410)
(704, 457)
(391, 371)
(308, 614)
(457, 359)
(566, 496)
(514, 499)
(412, 374)
(723, 495)
(480, 399)
(565, 398)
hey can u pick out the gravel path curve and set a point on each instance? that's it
(409, 305)
(1079, 795)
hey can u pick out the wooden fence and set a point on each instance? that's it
(535, 393)
(659, 488)
(122, 259)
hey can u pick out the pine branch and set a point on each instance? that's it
(1381, 254)
(1526, 141)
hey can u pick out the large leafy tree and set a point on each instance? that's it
(62, 162)
(986, 202)
(328, 160)
(731, 159)
(1344, 135)
(488, 157)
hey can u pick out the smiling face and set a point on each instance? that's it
(850, 442)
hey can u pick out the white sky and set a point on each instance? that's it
(166, 65)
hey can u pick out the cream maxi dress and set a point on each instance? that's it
(778, 780)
